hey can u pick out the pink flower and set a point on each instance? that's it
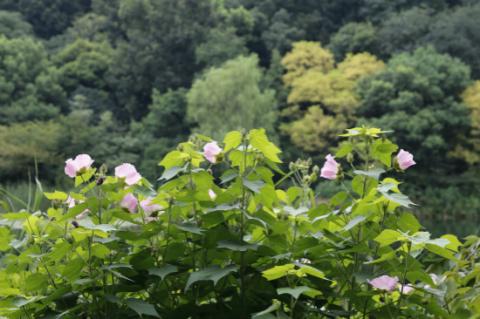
(149, 207)
(330, 168)
(130, 203)
(405, 160)
(211, 151)
(384, 283)
(70, 201)
(80, 163)
(129, 173)
(407, 289)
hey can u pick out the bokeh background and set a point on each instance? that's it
(126, 80)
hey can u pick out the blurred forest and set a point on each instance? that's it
(126, 80)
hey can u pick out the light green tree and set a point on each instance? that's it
(230, 97)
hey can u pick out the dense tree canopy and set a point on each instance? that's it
(418, 96)
(233, 93)
(127, 79)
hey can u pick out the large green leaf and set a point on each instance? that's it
(142, 308)
(387, 237)
(297, 291)
(277, 271)
(212, 273)
(163, 271)
(259, 140)
(232, 140)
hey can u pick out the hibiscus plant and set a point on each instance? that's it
(229, 233)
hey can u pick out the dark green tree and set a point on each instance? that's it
(29, 84)
(418, 97)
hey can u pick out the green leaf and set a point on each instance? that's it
(382, 150)
(344, 149)
(56, 195)
(259, 140)
(407, 222)
(297, 291)
(163, 271)
(273, 307)
(387, 237)
(277, 271)
(236, 246)
(254, 186)
(309, 270)
(211, 273)
(174, 158)
(59, 251)
(171, 173)
(190, 228)
(73, 269)
(400, 199)
(36, 282)
(5, 237)
(142, 308)
(354, 222)
(100, 251)
(232, 140)
(374, 173)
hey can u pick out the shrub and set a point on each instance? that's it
(223, 237)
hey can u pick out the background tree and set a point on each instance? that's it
(232, 92)
(353, 38)
(322, 100)
(13, 25)
(418, 96)
(29, 83)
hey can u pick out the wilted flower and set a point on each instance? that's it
(330, 168)
(211, 151)
(405, 160)
(130, 203)
(149, 207)
(384, 282)
(80, 163)
(212, 194)
(129, 173)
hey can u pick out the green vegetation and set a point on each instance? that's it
(126, 80)
(228, 234)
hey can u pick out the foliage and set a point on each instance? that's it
(29, 85)
(237, 244)
(470, 150)
(233, 93)
(327, 93)
(353, 38)
(12, 25)
(26, 145)
(418, 96)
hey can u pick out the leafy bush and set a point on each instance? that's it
(221, 237)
